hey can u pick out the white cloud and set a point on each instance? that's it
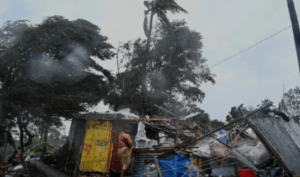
(5, 6)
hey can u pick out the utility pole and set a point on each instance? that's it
(295, 26)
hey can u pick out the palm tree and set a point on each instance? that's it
(160, 8)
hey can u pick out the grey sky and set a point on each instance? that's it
(227, 28)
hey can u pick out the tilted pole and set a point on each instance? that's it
(295, 26)
(220, 128)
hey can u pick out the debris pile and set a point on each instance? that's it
(166, 146)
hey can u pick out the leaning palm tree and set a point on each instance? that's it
(160, 8)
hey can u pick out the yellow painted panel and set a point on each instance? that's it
(197, 162)
(97, 151)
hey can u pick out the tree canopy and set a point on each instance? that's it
(160, 8)
(171, 79)
(51, 68)
(292, 99)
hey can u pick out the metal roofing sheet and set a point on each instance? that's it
(76, 137)
(99, 116)
(282, 138)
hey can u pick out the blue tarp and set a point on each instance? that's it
(222, 131)
(224, 139)
(178, 166)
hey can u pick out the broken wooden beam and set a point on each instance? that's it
(176, 147)
(177, 131)
(218, 129)
(242, 118)
(169, 132)
(146, 119)
(158, 167)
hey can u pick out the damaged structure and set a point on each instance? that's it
(94, 142)
(170, 146)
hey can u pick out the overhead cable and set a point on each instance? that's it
(250, 46)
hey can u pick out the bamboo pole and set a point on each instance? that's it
(176, 140)
(190, 165)
(158, 167)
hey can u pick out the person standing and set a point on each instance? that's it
(125, 148)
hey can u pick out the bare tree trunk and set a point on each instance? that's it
(41, 133)
(45, 169)
(118, 67)
(3, 114)
(46, 129)
(149, 39)
(150, 30)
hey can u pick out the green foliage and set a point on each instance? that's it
(10, 32)
(264, 102)
(214, 124)
(49, 70)
(55, 137)
(202, 119)
(171, 78)
(46, 72)
(235, 114)
(291, 99)
(161, 7)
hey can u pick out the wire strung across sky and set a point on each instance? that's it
(250, 47)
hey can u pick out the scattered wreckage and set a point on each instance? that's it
(169, 146)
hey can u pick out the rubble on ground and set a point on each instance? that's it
(259, 146)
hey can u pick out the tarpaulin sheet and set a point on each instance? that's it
(97, 151)
(178, 166)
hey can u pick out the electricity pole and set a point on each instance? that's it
(295, 26)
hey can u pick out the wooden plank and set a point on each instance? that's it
(146, 119)
(176, 147)
(158, 167)
(162, 147)
(150, 151)
(176, 139)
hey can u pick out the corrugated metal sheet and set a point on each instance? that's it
(99, 116)
(76, 137)
(281, 138)
(145, 165)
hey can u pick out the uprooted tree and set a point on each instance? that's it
(49, 70)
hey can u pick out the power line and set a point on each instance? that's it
(250, 47)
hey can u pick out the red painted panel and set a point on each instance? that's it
(115, 162)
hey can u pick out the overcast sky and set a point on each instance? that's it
(227, 26)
